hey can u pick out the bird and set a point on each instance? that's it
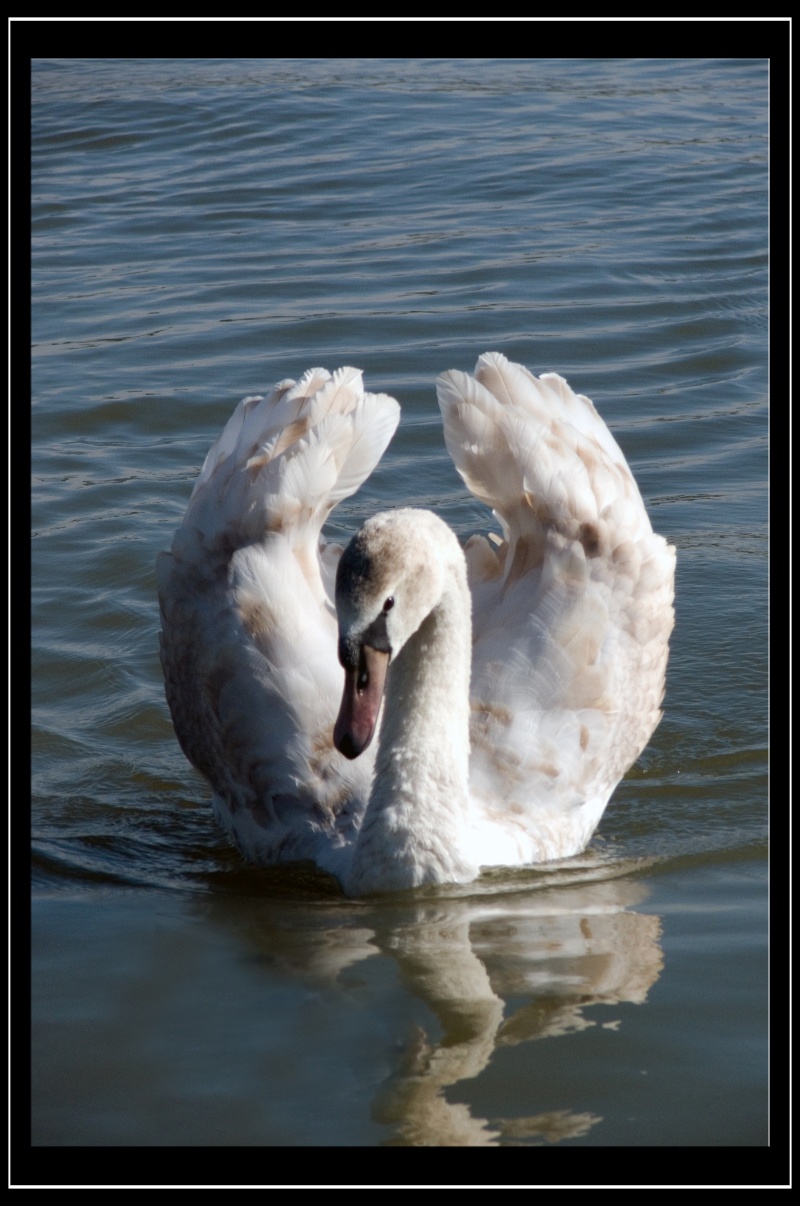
(405, 711)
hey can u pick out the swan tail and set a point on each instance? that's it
(283, 462)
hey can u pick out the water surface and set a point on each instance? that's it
(202, 230)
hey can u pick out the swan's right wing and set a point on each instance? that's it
(249, 640)
(572, 608)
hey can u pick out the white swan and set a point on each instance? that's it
(501, 739)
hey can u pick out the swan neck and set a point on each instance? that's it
(427, 697)
(419, 806)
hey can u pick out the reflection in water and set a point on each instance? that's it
(495, 971)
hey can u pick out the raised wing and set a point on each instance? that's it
(572, 608)
(248, 640)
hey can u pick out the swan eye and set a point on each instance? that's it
(389, 604)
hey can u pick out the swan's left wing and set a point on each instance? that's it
(572, 608)
(249, 639)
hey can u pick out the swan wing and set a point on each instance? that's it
(572, 608)
(248, 626)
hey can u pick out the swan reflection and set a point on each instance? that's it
(493, 971)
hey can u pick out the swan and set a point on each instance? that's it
(403, 711)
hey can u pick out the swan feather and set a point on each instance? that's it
(502, 737)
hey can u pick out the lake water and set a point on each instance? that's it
(202, 229)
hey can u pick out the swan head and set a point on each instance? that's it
(390, 577)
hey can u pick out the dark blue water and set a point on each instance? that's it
(200, 231)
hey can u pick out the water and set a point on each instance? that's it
(203, 229)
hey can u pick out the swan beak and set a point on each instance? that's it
(361, 702)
